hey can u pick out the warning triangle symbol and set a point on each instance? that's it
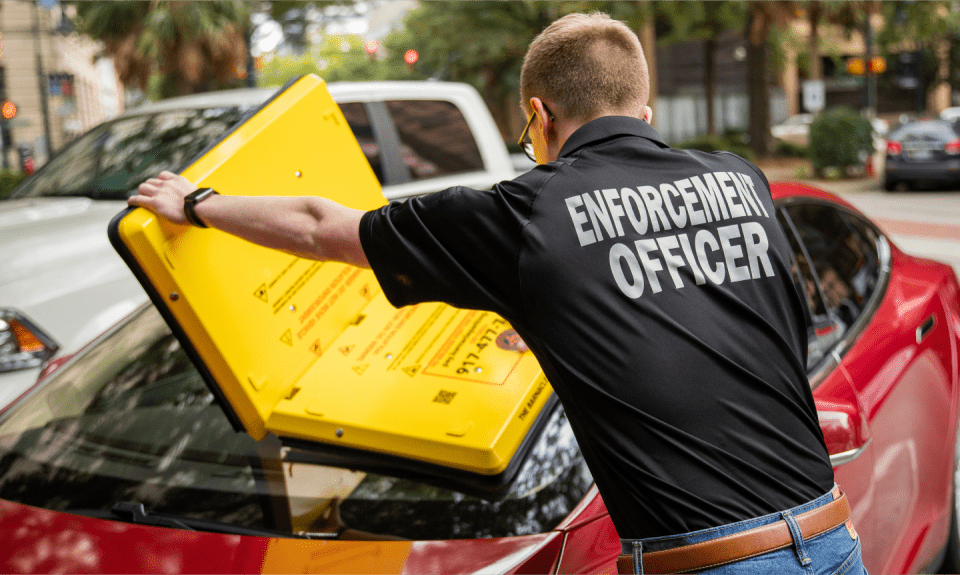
(360, 368)
(345, 350)
(261, 293)
(411, 370)
(287, 338)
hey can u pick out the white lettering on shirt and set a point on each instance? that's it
(735, 252)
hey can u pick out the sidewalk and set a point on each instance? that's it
(800, 170)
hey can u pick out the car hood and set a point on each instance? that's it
(41, 234)
(41, 541)
(55, 254)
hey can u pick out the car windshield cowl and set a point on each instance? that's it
(135, 512)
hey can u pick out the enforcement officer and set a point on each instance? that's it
(653, 285)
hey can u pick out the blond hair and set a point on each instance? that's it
(588, 65)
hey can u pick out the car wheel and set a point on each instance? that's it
(889, 184)
(951, 560)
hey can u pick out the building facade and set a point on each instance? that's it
(57, 79)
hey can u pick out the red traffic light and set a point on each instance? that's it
(411, 57)
(371, 46)
(8, 110)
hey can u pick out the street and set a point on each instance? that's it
(921, 222)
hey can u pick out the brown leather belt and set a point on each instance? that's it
(743, 545)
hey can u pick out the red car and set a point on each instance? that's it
(120, 460)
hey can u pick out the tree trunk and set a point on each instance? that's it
(712, 15)
(814, 13)
(648, 41)
(758, 31)
(709, 47)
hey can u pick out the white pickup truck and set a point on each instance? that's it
(62, 283)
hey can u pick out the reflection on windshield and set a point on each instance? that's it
(131, 420)
(114, 158)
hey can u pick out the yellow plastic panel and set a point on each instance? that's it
(427, 381)
(313, 350)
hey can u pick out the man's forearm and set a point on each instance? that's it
(309, 227)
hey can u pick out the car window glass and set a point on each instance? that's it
(359, 122)
(116, 157)
(435, 138)
(863, 243)
(823, 329)
(926, 129)
(843, 266)
(132, 420)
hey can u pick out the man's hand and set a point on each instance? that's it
(164, 195)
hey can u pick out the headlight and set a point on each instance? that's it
(22, 344)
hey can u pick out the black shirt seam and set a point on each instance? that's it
(563, 161)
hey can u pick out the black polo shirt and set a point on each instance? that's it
(654, 286)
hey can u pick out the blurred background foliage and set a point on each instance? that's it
(171, 47)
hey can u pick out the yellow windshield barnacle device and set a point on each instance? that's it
(311, 351)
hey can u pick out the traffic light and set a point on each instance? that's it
(8, 110)
(855, 66)
(411, 57)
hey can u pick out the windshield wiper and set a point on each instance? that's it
(134, 512)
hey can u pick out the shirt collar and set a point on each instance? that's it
(609, 127)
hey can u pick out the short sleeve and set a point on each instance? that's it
(459, 246)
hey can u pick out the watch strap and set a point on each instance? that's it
(190, 202)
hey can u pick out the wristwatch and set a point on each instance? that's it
(190, 202)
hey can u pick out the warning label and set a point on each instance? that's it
(261, 293)
(314, 312)
(471, 352)
(296, 286)
(287, 338)
(439, 340)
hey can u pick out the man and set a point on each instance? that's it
(652, 284)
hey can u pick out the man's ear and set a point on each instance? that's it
(543, 116)
(647, 114)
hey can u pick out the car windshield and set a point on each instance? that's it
(115, 157)
(926, 129)
(131, 420)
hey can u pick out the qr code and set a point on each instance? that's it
(444, 396)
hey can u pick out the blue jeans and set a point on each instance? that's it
(834, 552)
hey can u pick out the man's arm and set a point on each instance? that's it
(308, 227)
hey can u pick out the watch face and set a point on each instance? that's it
(201, 194)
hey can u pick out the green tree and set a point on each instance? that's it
(929, 30)
(761, 18)
(337, 59)
(168, 48)
(297, 17)
(483, 43)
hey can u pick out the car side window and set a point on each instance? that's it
(823, 328)
(359, 122)
(845, 264)
(435, 138)
(864, 241)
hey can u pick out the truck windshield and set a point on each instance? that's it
(115, 157)
(130, 420)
